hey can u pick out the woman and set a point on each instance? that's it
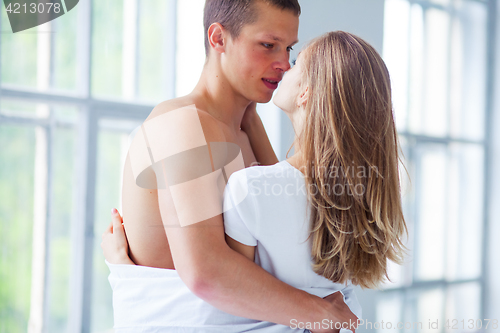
(337, 199)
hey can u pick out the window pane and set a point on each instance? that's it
(65, 114)
(468, 74)
(447, 68)
(17, 108)
(431, 208)
(63, 186)
(16, 225)
(430, 305)
(396, 49)
(416, 79)
(154, 48)
(190, 45)
(18, 55)
(463, 303)
(466, 205)
(435, 108)
(64, 51)
(107, 39)
(390, 311)
(113, 144)
(449, 205)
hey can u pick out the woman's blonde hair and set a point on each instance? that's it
(350, 147)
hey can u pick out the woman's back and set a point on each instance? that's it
(266, 207)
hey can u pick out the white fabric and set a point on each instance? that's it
(274, 217)
(154, 300)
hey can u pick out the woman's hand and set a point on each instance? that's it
(114, 242)
(249, 116)
(252, 125)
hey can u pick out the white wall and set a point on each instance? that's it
(364, 18)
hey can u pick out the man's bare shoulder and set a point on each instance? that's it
(177, 124)
(170, 105)
(213, 129)
(174, 131)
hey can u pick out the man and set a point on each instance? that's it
(248, 46)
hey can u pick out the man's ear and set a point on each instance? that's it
(216, 37)
(303, 97)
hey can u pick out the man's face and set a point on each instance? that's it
(255, 62)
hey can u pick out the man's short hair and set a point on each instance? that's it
(234, 14)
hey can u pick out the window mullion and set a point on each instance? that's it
(41, 249)
(82, 230)
(39, 271)
(489, 172)
(82, 220)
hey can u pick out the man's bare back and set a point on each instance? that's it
(141, 214)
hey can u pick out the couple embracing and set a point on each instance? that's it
(217, 234)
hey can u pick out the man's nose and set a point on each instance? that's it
(283, 63)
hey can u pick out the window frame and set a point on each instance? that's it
(415, 140)
(90, 111)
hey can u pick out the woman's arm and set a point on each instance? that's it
(252, 125)
(247, 251)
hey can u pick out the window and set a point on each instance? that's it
(437, 54)
(72, 90)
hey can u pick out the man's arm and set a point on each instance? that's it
(254, 128)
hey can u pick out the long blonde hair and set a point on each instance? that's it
(350, 149)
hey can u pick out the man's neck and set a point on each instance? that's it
(219, 97)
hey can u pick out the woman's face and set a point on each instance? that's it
(287, 95)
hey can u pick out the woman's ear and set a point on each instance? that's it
(303, 97)
(216, 37)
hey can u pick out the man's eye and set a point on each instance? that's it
(289, 48)
(267, 45)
